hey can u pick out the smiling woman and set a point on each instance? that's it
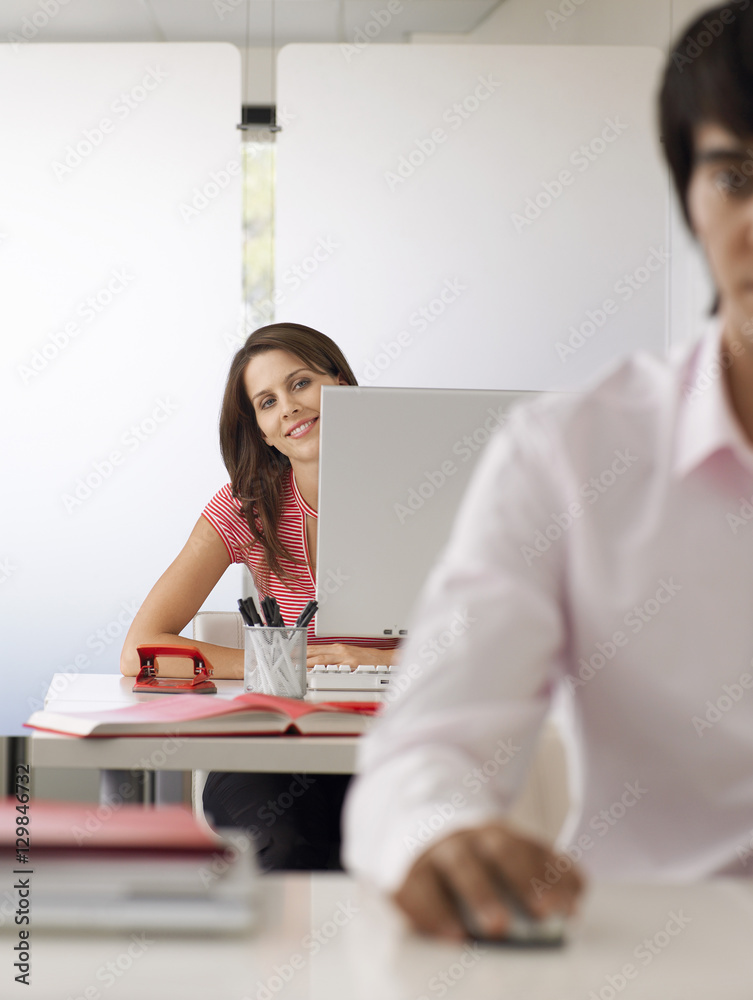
(269, 435)
(266, 518)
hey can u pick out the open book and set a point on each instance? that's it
(205, 715)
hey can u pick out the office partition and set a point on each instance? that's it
(473, 216)
(120, 264)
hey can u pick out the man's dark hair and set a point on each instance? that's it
(708, 79)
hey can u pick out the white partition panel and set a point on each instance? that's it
(473, 216)
(120, 279)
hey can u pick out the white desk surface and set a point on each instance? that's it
(365, 953)
(90, 692)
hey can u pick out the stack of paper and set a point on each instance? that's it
(128, 868)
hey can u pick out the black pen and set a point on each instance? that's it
(267, 612)
(307, 614)
(244, 614)
(276, 613)
(251, 611)
(272, 612)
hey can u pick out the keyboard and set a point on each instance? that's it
(339, 677)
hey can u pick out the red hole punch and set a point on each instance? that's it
(149, 682)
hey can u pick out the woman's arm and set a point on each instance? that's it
(176, 597)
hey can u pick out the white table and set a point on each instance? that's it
(92, 692)
(158, 764)
(363, 952)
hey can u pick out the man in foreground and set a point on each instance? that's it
(606, 542)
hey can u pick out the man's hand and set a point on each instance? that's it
(468, 865)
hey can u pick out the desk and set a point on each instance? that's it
(326, 938)
(541, 809)
(91, 692)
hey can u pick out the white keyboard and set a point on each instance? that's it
(339, 677)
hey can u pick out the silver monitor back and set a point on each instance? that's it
(394, 464)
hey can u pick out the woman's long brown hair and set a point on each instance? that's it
(258, 471)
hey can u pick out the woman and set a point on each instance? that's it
(266, 517)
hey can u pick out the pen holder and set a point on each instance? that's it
(275, 661)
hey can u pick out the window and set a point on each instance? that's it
(258, 162)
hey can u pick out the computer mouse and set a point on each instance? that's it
(525, 930)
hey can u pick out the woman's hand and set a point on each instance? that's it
(338, 652)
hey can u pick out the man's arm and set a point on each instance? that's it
(485, 650)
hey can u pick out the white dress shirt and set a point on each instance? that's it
(605, 542)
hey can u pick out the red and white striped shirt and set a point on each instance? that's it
(224, 514)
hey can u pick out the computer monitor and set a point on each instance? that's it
(393, 467)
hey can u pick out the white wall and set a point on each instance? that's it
(437, 214)
(655, 23)
(118, 294)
